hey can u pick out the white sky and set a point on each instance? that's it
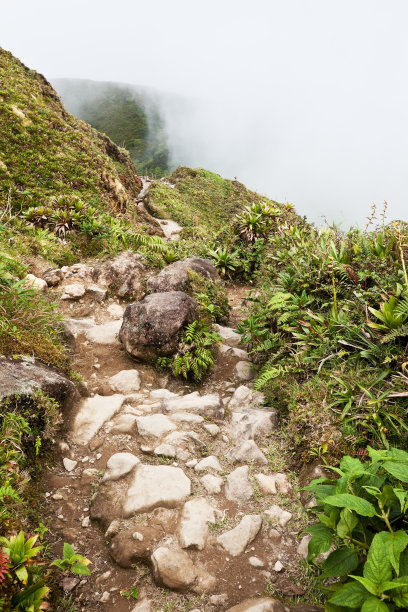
(304, 100)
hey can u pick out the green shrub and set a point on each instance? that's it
(362, 515)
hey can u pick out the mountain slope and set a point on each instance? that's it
(127, 114)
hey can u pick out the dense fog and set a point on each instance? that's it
(303, 100)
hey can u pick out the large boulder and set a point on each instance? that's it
(175, 277)
(123, 275)
(151, 327)
(25, 376)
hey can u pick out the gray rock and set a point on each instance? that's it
(69, 464)
(264, 604)
(248, 451)
(69, 583)
(146, 605)
(173, 568)
(25, 376)
(156, 485)
(52, 277)
(165, 450)
(175, 277)
(119, 465)
(243, 371)
(151, 327)
(186, 417)
(208, 464)
(278, 515)
(194, 520)
(256, 562)
(228, 335)
(123, 275)
(104, 334)
(236, 540)
(154, 425)
(124, 423)
(251, 423)
(238, 487)
(93, 412)
(125, 381)
(74, 291)
(303, 548)
(116, 311)
(126, 549)
(96, 293)
(212, 484)
(36, 283)
(207, 405)
(212, 429)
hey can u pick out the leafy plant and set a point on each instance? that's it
(362, 515)
(225, 261)
(77, 564)
(194, 355)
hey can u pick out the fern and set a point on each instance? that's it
(400, 332)
(279, 301)
(402, 308)
(269, 372)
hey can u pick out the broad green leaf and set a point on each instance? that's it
(393, 584)
(346, 500)
(374, 605)
(391, 545)
(80, 568)
(377, 568)
(401, 495)
(322, 538)
(400, 595)
(69, 551)
(22, 574)
(348, 521)
(371, 586)
(397, 469)
(398, 454)
(340, 562)
(331, 519)
(60, 563)
(403, 569)
(351, 595)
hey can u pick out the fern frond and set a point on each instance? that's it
(269, 372)
(279, 301)
(400, 332)
(402, 308)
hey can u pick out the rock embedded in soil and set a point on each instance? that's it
(211, 483)
(154, 426)
(52, 277)
(96, 293)
(69, 464)
(236, 540)
(25, 376)
(92, 414)
(251, 423)
(151, 327)
(303, 548)
(173, 568)
(229, 336)
(264, 604)
(212, 429)
(238, 487)
(278, 515)
(243, 371)
(36, 283)
(270, 484)
(123, 276)
(248, 451)
(107, 333)
(74, 291)
(156, 485)
(125, 381)
(208, 464)
(175, 277)
(194, 520)
(115, 311)
(119, 465)
(127, 550)
(207, 405)
(145, 605)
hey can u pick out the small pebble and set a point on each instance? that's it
(86, 522)
(278, 567)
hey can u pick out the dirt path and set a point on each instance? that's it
(176, 489)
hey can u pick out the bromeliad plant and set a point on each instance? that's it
(362, 520)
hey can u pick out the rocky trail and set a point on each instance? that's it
(180, 490)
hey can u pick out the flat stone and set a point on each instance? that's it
(243, 371)
(69, 464)
(165, 450)
(278, 567)
(248, 451)
(115, 310)
(124, 423)
(229, 336)
(207, 405)
(282, 483)
(238, 487)
(74, 291)
(264, 604)
(212, 429)
(278, 515)
(186, 417)
(69, 583)
(211, 483)
(154, 486)
(208, 464)
(78, 326)
(161, 394)
(251, 423)
(244, 398)
(96, 293)
(104, 334)
(194, 520)
(119, 465)
(92, 414)
(154, 426)
(126, 382)
(241, 354)
(236, 540)
(267, 484)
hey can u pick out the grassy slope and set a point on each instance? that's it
(126, 115)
